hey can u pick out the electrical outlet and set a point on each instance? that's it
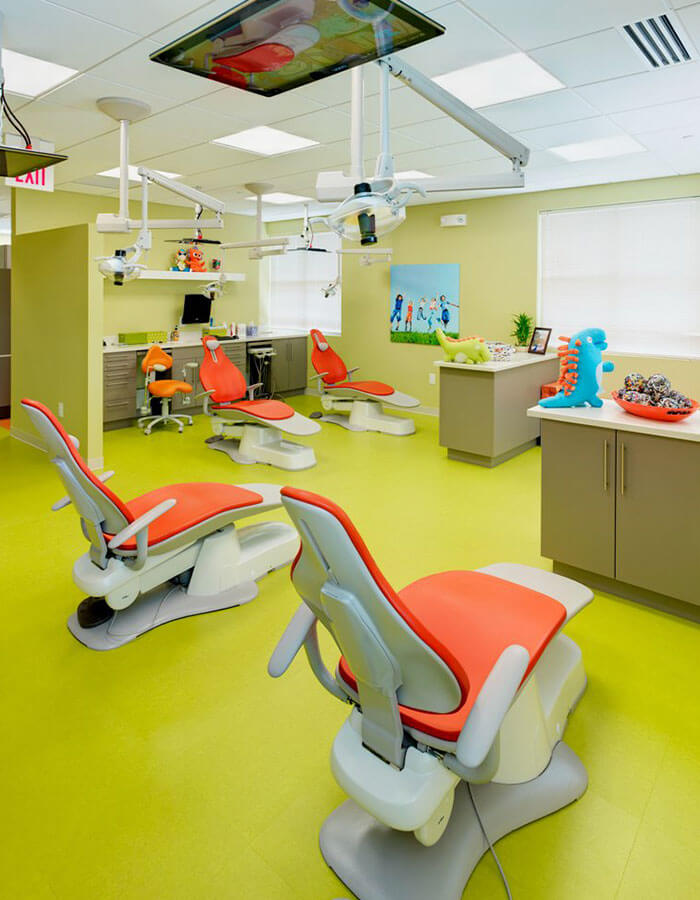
(60, 409)
(431, 378)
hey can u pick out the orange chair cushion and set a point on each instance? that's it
(156, 356)
(270, 410)
(475, 616)
(195, 504)
(375, 388)
(167, 388)
(220, 375)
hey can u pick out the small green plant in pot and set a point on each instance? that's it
(522, 330)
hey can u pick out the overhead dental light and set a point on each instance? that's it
(17, 161)
(376, 205)
(121, 267)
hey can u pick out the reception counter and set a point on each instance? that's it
(621, 503)
(483, 408)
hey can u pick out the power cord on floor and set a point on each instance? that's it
(490, 845)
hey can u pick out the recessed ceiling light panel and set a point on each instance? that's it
(603, 148)
(265, 141)
(133, 173)
(29, 76)
(499, 80)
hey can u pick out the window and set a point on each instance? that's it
(633, 270)
(297, 279)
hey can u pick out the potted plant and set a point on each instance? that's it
(522, 329)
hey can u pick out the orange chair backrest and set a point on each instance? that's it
(217, 373)
(325, 359)
(156, 356)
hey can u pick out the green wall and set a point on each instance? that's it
(497, 251)
(56, 332)
(148, 305)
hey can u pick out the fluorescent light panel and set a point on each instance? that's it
(411, 174)
(601, 148)
(499, 80)
(280, 198)
(29, 76)
(134, 173)
(265, 141)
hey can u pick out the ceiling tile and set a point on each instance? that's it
(568, 133)
(438, 132)
(537, 112)
(133, 15)
(47, 31)
(191, 160)
(684, 115)
(83, 93)
(540, 22)
(256, 110)
(321, 125)
(690, 19)
(679, 147)
(594, 57)
(133, 68)
(650, 88)
(467, 41)
(64, 126)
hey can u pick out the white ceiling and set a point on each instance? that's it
(608, 91)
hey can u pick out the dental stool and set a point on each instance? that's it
(248, 430)
(358, 402)
(170, 553)
(461, 685)
(164, 389)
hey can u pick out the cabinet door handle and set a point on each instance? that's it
(605, 467)
(622, 470)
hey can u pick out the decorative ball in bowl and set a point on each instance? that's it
(640, 406)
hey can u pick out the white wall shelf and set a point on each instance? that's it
(169, 275)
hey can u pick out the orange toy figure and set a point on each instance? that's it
(195, 260)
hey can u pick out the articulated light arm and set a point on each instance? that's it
(500, 140)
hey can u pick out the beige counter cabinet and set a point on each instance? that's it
(621, 504)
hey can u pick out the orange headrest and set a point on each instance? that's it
(156, 356)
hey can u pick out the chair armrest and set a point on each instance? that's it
(318, 377)
(138, 525)
(495, 698)
(291, 641)
(252, 388)
(66, 501)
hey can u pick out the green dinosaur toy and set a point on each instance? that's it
(463, 350)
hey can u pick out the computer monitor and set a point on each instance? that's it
(271, 46)
(197, 309)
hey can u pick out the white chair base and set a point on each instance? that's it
(366, 415)
(224, 568)
(181, 419)
(379, 863)
(249, 444)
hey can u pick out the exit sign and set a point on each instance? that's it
(41, 179)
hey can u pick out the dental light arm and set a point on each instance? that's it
(500, 140)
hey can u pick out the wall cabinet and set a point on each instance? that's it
(623, 505)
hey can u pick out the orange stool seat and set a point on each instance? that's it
(168, 388)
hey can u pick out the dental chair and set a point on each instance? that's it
(170, 553)
(250, 431)
(460, 687)
(163, 389)
(362, 400)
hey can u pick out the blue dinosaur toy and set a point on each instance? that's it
(582, 370)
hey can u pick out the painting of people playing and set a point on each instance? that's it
(423, 298)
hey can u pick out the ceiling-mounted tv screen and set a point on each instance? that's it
(272, 46)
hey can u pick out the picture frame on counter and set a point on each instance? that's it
(539, 340)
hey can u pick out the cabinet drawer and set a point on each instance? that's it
(112, 411)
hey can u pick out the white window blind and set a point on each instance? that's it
(632, 269)
(297, 279)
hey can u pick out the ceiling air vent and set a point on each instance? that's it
(659, 40)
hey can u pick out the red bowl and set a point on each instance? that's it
(660, 413)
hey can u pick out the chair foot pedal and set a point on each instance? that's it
(94, 611)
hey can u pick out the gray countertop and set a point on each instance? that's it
(263, 335)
